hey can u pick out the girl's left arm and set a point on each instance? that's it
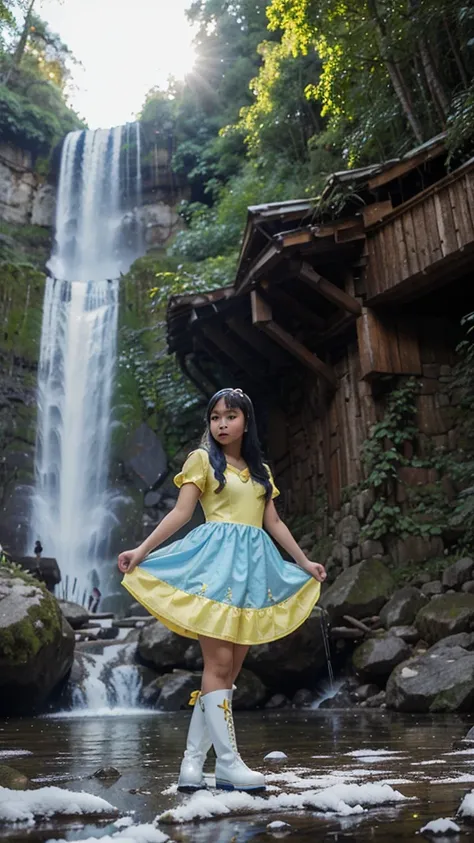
(280, 532)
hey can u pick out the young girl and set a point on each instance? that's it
(225, 583)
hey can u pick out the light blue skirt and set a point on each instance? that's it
(227, 581)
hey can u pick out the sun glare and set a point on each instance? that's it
(122, 55)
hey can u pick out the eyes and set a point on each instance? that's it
(231, 416)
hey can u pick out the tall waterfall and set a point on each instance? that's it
(72, 507)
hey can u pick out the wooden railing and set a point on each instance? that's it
(414, 246)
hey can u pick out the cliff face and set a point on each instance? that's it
(24, 196)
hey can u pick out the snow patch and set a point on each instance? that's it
(145, 833)
(278, 825)
(466, 808)
(375, 753)
(275, 756)
(341, 799)
(25, 805)
(408, 673)
(11, 753)
(441, 826)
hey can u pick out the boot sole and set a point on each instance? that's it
(226, 786)
(191, 788)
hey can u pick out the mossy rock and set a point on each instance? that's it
(36, 643)
(359, 591)
(13, 779)
(433, 682)
(445, 615)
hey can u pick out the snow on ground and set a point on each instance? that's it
(25, 805)
(145, 833)
(466, 808)
(464, 778)
(441, 826)
(364, 753)
(341, 799)
(11, 753)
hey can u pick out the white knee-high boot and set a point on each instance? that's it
(231, 772)
(198, 744)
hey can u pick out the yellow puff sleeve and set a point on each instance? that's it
(194, 470)
(275, 491)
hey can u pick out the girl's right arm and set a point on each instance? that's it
(179, 516)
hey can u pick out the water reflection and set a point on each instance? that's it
(146, 750)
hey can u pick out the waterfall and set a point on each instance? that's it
(72, 509)
(107, 688)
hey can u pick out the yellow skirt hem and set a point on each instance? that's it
(219, 620)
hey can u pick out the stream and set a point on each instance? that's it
(412, 753)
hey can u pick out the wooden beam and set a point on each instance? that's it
(405, 166)
(375, 212)
(387, 346)
(262, 317)
(337, 324)
(258, 341)
(326, 288)
(242, 358)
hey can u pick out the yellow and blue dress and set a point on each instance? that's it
(225, 579)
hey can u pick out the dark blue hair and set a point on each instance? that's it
(236, 399)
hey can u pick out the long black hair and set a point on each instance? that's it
(236, 399)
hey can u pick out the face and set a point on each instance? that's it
(227, 424)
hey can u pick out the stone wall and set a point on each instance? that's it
(25, 198)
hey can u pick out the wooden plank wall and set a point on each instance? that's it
(315, 449)
(422, 233)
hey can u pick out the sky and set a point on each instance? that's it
(126, 47)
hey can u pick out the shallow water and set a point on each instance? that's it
(146, 749)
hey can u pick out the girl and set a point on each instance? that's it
(225, 583)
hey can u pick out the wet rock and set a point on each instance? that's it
(403, 607)
(376, 658)
(462, 639)
(193, 656)
(362, 503)
(409, 634)
(420, 579)
(445, 615)
(468, 587)
(250, 691)
(376, 701)
(13, 779)
(106, 773)
(36, 644)
(145, 457)
(459, 573)
(363, 692)
(162, 648)
(45, 569)
(77, 616)
(430, 589)
(302, 699)
(293, 660)
(137, 610)
(433, 683)
(278, 701)
(176, 689)
(360, 591)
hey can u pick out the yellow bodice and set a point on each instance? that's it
(241, 501)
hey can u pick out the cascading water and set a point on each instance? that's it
(72, 508)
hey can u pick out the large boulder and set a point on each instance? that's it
(36, 644)
(403, 607)
(161, 648)
(375, 659)
(250, 691)
(359, 591)
(294, 661)
(175, 689)
(439, 681)
(458, 573)
(77, 616)
(445, 615)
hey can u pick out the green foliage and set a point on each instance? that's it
(383, 454)
(34, 114)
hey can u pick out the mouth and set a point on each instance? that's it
(222, 435)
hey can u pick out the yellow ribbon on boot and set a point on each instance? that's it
(194, 697)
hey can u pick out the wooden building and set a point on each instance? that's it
(333, 300)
